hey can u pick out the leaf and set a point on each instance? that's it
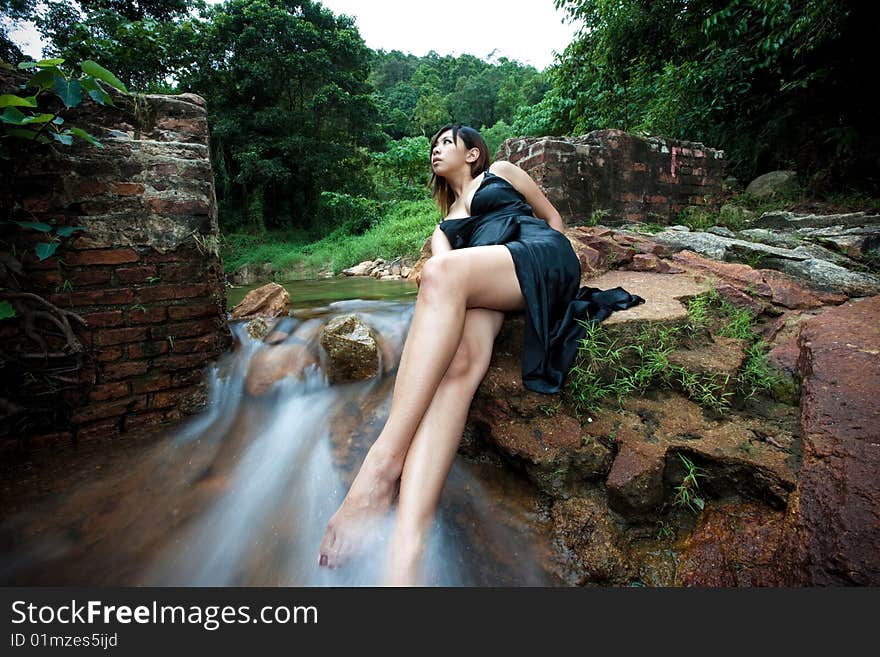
(13, 116)
(46, 63)
(97, 71)
(6, 310)
(46, 249)
(65, 138)
(699, 502)
(96, 92)
(45, 79)
(58, 120)
(28, 134)
(11, 100)
(67, 231)
(35, 225)
(26, 65)
(82, 134)
(69, 91)
(38, 118)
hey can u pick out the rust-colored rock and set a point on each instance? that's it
(275, 362)
(352, 352)
(733, 544)
(740, 276)
(650, 262)
(832, 533)
(269, 300)
(635, 483)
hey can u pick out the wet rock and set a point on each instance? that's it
(270, 300)
(719, 361)
(861, 243)
(595, 547)
(770, 237)
(741, 299)
(352, 352)
(825, 275)
(362, 269)
(833, 530)
(635, 482)
(721, 230)
(792, 220)
(650, 262)
(257, 328)
(773, 184)
(734, 544)
(276, 362)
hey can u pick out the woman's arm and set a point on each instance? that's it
(524, 184)
(439, 242)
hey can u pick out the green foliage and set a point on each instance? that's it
(402, 230)
(496, 135)
(775, 83)
(687, 493)
(352, 215)
(401, 171)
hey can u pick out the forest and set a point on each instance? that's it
(317, 139)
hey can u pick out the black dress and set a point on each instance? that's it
(549, 276)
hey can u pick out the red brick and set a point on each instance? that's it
(124, 370)
(101, 257)
(529, 162)
(110, 297)
(183, 272)
(192, 311)
(658, 199)
(53, 439)
(186, 329)
(152, 315)
(192, 377)
(106, 391)
(168, 399)
(184, 362)
(91, 276)
(117, 336)
(208, 342)
(147, 349)
(178, 207)
(108, 354)
(141, 420)
(98, 411)
(164, 292)
(127, 188)
(105, 429)
(104, 318)
(127, 275)
(89, 187)
(47, 280)
(151, 383)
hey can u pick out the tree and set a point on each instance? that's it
(289, 106)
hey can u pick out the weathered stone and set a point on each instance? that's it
(735, 214)
(635, 482)
(362, 269)
(792, 220)
(595, 547)
(770, 237)
(352, 352)
(257, 328)
(270, 300)
(724, 231)
(275, 362)
(719, 360)
(650, 262)
(774, 183)
(734, 544)
(785, 291)
(832, 532)
(830, 277)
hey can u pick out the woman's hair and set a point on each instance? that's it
(440, 189)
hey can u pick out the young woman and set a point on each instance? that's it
(500, 248)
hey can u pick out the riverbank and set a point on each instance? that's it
(281, 256)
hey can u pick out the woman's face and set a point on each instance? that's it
(448, 155)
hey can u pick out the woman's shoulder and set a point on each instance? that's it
(506, 170)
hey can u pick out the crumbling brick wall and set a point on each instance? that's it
(613, 177)
(145, 273)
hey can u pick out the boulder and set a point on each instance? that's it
(270, 300)
(832, 528)
(792, 220)
(773, 184)
(352, 351)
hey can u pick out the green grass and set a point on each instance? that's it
(402, 230)
(606, 369)
(687, 493)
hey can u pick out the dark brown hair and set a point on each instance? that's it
(440, 190)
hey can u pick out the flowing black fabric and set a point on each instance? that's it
(549, 276)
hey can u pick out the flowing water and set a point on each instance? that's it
(240, 494)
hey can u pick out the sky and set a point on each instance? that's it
(528, 31)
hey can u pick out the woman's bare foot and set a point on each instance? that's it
(357, 521)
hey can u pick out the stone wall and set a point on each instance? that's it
(615, 177)
(144, 274)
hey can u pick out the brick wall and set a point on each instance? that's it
(145, 273)
(618, 176)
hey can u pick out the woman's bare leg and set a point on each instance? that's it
(434, 446)
(479, 277)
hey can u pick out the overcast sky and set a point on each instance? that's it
(528, 31)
